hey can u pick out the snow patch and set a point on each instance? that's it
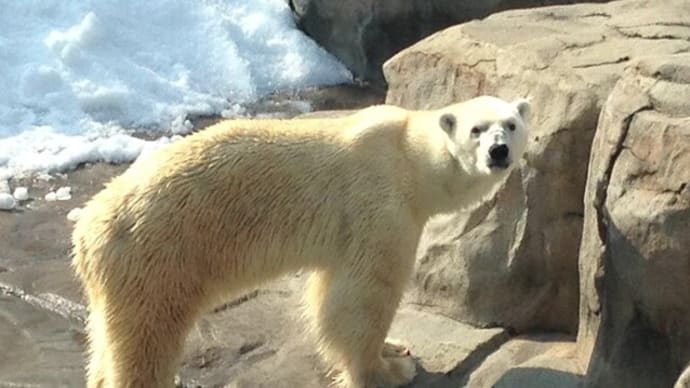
(21, 193)
(7, 201)
(79, 78)
(63, 193)
(74, 214)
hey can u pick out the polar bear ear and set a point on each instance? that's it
(523, 107)
(448, 123)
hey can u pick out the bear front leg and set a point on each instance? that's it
(352, 316)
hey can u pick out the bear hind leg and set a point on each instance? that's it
(95, 369)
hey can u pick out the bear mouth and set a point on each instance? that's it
(501, 164)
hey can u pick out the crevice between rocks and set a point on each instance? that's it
(663, 24)
(601, 190)
(595, 14)
(638, 35)
(602, 218)
(612, 62)
(581, 45)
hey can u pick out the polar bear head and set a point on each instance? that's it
(486, 135)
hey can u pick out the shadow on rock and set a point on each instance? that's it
(537, 378)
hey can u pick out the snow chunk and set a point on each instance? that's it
(63, 193)
(51, 197)
(74, 214)
(21, 194)
(7, 202)
(88, 73)
(181, 126)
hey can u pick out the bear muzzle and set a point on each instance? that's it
(499, 156)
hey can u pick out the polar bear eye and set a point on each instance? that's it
(511, 126)
(476, 130)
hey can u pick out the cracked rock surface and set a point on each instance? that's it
(514, 260)
(635, 260)
(364, 33)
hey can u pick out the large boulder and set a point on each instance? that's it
(635, 257)
(513, 261)
(364, 33)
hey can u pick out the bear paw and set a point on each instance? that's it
(399, 371)
(395, 348)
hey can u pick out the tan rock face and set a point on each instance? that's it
(635, 257)
(364, 33)
(514, 260)
(536, 361)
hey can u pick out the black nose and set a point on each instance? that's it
(498, 151)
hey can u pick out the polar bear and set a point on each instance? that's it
(245, 201)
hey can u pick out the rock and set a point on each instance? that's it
(443, 345)
(535, 361)
(634, 261)
(363, 34)
(258, 340)
(40, 348)
(513, 261)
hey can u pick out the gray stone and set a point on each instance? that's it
(634, 261)
(39, 347)
(364, 33)
(259, 340)
(513, 261)
(443, 345)
(533, 361)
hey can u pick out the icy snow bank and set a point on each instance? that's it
(74, 74)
